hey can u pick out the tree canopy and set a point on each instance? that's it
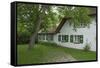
(28, 15)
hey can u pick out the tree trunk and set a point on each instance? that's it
(37, 27)
(33, 37)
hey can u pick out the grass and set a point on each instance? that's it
(81, 55)
(49, 51)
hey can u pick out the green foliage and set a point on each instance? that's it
(27, 17)
(50, 19)
(28, 13)
(23, 38)
(87, 47)
(45, 52)
(48, 43)
(79, 15)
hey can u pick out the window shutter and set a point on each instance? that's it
(66, 38)
(71, 38)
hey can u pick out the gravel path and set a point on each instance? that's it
(59, 56)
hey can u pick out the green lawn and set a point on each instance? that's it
(43, 52)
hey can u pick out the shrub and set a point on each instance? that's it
(87, 47)
(49, 44)
(23, 38)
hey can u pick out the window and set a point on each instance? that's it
(81, 38)
(77, 39)
(81, 25)
(63, 38)
(59, 38)
(49, 37)
(41, 37)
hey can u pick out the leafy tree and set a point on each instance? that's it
(79, 15)
(32, 18)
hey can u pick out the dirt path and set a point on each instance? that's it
(64, 58)
(59, 56)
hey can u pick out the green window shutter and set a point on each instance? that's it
(71, 38)
(59, 37)
(66, 38)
